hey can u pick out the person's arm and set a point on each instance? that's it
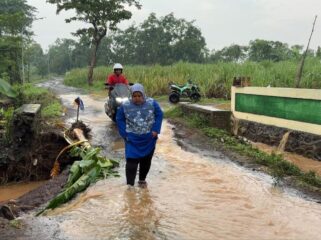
(158, 118)
(121, 122)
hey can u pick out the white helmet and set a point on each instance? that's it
(118, 66)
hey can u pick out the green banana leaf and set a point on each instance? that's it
(75, 173)
(89, 170)
(91, 153)
(86, 165)
(6, 89)
(114, 162)
(105, 163)
(80, 185)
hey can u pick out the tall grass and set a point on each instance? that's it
(213, 79)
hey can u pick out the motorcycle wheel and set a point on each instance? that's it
(174, 98)
(195, 97)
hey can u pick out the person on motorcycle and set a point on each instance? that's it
(116, 77)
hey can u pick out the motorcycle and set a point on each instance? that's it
(189, 90)
(119, 93)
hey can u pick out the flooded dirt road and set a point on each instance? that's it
(191, 195)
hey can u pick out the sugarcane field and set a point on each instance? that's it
(151, 120)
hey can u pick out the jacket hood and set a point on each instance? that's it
(137, 87)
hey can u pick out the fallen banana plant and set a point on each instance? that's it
(89, 169)
(56, 169)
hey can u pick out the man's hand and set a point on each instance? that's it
(155, 134)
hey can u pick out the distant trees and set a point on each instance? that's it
(35, 60)
(233, 53)
(101, 15)
(15, 21)
(61, 55)
(259, 50)
(152, 43)
(162, 40)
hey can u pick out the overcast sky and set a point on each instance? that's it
(222, 22)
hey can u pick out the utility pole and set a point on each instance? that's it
(48, 62)
(300, 68)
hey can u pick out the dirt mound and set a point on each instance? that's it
(34, 163)
(32, 147)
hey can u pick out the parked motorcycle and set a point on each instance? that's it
(118, 94)
(188, 90)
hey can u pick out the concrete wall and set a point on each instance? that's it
(268, 114)
(217, 118)
(296, 109)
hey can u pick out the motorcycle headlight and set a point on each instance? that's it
(121, 100)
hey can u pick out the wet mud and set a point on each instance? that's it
(34, 163)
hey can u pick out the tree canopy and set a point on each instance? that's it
(16, 17)
(163, 40)
(100, 15)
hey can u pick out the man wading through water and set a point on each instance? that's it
(139, 122)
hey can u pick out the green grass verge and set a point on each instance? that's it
(52, 110)
(278, 167)
(51, 107)
(29, 94)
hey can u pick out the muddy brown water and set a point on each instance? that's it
(190, 196)
(306, 164)
(13, 191)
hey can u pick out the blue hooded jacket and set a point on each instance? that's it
(136, 124)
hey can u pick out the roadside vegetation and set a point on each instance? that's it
(274, 163)
(51, 107)
(29, 94)
(214, 80)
